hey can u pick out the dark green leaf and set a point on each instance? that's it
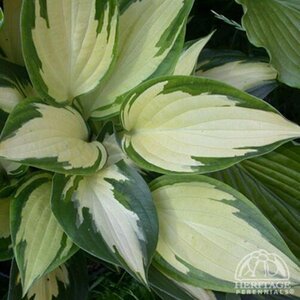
(271, 182)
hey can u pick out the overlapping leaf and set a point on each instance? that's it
(188, 59)
(50, 137)
(109, 214)
(275, 25)
(195, 125)
(207, 228)
(254, 75)
(14, 85)
(68, 45)
(67, 281)
(13, 168)
(271, 182)
(170, 289)
(39, 243)
(151, 39)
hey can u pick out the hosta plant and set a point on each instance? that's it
(115, 140)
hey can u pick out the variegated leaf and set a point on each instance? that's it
(10, 38)
(196, 125)
(12, 168)
(188, 59)
(5, 240)
(55, 279)
(51, 138)
(67, 281)
(9, 96)
(170, 289)
(274, 25)
(254, 76)
(207, 229)
(14, 85)
(109, 214)
(271, 182)
(39, 242)
(68, 45)
(150, 43)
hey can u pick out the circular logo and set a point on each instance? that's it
(261, 265)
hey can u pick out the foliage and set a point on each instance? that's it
(139, 161)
